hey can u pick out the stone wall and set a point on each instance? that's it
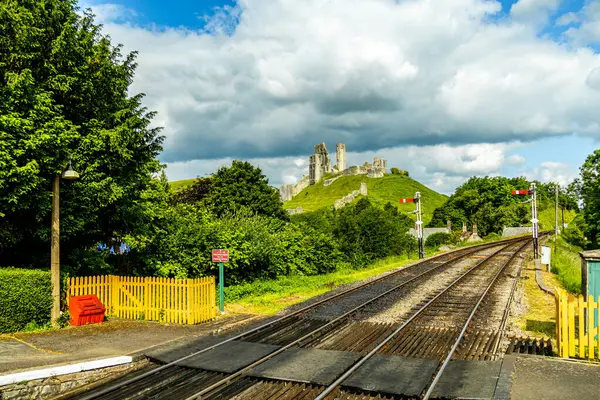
(319, 163)
(509, 231)
(330, 181)
(356, 170)
(286, 191)
(350, 197)
(428, 232)
(302, 184)
(51, 387)
(340, 156)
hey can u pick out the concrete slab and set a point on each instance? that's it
(554, 379)
(169, 354)
(227, 358)
(504, 384)
(306, 365)
(468, 380)
(393, 374)
(29, 351)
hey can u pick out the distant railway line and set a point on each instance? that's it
(420, 317)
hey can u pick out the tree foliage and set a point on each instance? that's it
(198, 191)
(243, 185)
(589, 187)
(489, 203)
(398, 171)
(63, 93)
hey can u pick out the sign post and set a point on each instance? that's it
(221, 256)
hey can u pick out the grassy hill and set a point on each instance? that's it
(178, 185)
(547, 218)
(390, 188)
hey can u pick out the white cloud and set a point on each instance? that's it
(370, 73)
(567, 19)
(552, 171)
(440, 167)
(589, 30)
(593, 79)
(109, 12)
(515, 160)
(535, 12)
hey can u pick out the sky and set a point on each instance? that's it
(444, 89)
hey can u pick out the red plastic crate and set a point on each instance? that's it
(87, 309)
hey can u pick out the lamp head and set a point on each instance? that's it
(70, 174)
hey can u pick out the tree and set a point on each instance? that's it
(590, 194)
(243, 185)
(489, 203)
(198, 191)
(63, 93)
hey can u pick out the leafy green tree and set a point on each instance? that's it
(243, 185)
(590, 194)
(487, 202)
(64, 93)
(198, 191)
(365, 232)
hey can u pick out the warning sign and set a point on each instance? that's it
(220, 256)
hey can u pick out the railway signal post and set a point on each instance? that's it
(418, 211)
(534, 217)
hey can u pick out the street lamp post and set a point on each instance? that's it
(68, 174)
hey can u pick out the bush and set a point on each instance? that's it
(25, 298)
(439, 238)
(398, 171)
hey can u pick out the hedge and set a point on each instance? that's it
(25, 296)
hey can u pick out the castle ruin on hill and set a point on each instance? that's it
(320, 165)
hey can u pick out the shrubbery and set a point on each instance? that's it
(398, 171)
(25, 297)
(264, 247)
(439, 238)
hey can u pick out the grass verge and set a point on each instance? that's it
(567, 266)
(538, 314)
(270, 296)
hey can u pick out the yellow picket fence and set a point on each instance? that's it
(181, 301)
(577, 325)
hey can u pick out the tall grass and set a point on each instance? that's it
(566, 264)
(270, 296)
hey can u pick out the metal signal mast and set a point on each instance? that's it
(534, 216)
(418, 211)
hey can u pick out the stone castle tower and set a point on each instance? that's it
(319, 163)
(340, 156)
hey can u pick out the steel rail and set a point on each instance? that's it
(506, 313)
(365, 358)
(474, 249)
(235, 375)
(438, 375)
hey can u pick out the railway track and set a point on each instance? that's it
(429, 331)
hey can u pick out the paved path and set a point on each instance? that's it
(23, 351)
(538, 378)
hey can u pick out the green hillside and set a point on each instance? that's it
(390, 188)
(547, 218)
(178, 185)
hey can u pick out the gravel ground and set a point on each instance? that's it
(454, 306)
(407, 268)
(334, 309)
(397, 306)
(491, 311)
